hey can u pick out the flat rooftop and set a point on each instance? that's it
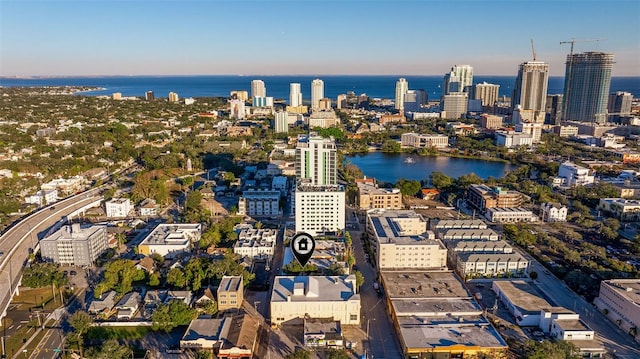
(314, 289)
(626, 288)
(467, 233)
(435, 307)
(460, 224)
(523, 295)
(490, 257)
(172, 234)
(425, 333)
(423, 284)
(573, 325)
(392, 226)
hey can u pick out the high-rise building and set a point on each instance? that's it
(316, 159)
(414, 100)
(554, 109)
(258, 89)
(486, 92)
(317, 93)
(295, 95)
(454, 105)
(173, 97)
(281, 122)
(319, 209)
(530, 90)
(402, 86)
(341, 101)
(149, 96)
(460, 79)
(586, 86)
(619, 105)
(75, 245)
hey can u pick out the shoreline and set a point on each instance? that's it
(438, 154)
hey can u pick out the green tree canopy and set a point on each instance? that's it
(119, 275)
(408, 187)
(172, 314)
(43, 274)
(110, 349)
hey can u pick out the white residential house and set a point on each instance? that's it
(43, 197)
(148, 208)
(553, 212)
(128, 305)
(118, 207)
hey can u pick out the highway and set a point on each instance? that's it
(18, 241)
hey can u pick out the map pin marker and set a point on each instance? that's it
(302, 246)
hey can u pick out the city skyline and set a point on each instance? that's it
(223, 38)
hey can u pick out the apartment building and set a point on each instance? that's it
(372, 197)
(74, 245)
(260, 203)
(230, 293)
(483, 197)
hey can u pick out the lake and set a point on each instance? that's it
(390, 167)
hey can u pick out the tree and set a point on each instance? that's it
(559, 349)
(119, 275)
(359, 278)
(154, 280)
(210, 307)
(440, 181)
(408, 187)
(172, 314)
(533, 275)
(202, 354)
(110, 349)
(299, 354)
(81, 322)
(228, 265)
(192, 202)
(43, 274)
(337, 354)
(391, 146)
(176, 278)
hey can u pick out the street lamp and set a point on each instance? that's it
(368, 339)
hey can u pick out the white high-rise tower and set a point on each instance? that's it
(258, 89)
(317, 160)
(402, 86)
(317, 93)
(530, 90)
(295, 95)
(460, 79)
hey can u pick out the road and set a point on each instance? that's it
(375, 321)
(18, 241)
(614, 340)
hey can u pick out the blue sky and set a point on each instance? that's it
(267, 37)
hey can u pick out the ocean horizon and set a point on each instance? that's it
(376, 86)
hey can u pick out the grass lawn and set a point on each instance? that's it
(35, 297)
(104, 333)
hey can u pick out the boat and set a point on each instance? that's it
(409, 160)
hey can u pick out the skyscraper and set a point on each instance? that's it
(554, 109)
(317, 93)
(586, 86)
(258, 89)
(281, 122)
(486, 92)
(173, 97)
(460, 79)
(316, 159)
(149, 96)
(530, 90)
(295, 95)
(401, 88)
(619, 104)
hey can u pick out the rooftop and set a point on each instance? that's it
(459, 224)
(572, 325)
(423, 284)
(469, 234)
(523, 295)
(314, 289)
(75, 232)
(626, 288)
(367, 188)
(435, 307)
(425, 333)
(490, 257)
(230, 283)
(172, 234)
(401, 227)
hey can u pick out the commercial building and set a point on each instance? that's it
(554, 109)
(490, 121)
(317, 93)
(417, 140)
(487, 93)
(300, 297)
(402, 86)
(323, 119)
(626, 210)
(586, 86)
(511, 139)
(533, 130)
(371, 197)
(619, 105)
(230, 293)
(322, 333)
(258, 89)
(510, 215)
(74, 245)
(169, 240)
(414, 100)
(482, 197)
(454, 105)
(553, 212)
(401, 240)
(316, 159)
(575, 175)
(618, 300)
(435, 316)
(118, 207)
(530, 90)
(319, 209)
(255, 242)
(295, 95)
(259, 203)
(565, 131)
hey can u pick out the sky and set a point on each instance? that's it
(267, 37)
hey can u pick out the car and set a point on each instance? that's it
(52, 208)
(73, 272)
(65, 272)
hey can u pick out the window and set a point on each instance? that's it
(353, 317)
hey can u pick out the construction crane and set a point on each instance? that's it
(533, 50)
(567, 81)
